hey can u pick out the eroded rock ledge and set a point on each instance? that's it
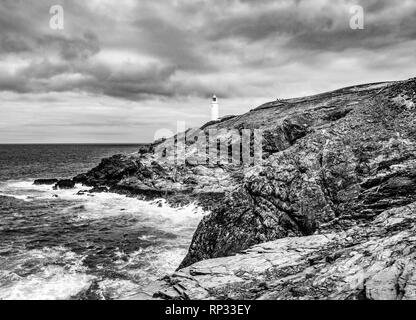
(373, 260)
(335, 160)
(335, 165)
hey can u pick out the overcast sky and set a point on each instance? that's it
(120, 70)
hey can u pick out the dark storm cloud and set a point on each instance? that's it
(13, 44)
(75, 48)
(321, 26)
(258, 25)
(171, 43)
(96, 78)
(141, 49)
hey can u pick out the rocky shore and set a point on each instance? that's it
(373, 260)
(328, 213)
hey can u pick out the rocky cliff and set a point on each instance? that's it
(373, 260)
(335, 159)
(335, 166)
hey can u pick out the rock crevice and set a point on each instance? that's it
(333, 165)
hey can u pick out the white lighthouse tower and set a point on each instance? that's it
(214, 108)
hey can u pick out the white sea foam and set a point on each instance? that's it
(104, 205)
(155, 213)
(99, 205)
(16, 196)
(51, 281)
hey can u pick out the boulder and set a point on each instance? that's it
(45, 181)
(64, 184)
(98, 189)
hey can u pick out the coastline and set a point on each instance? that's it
(77, 252)
(332, 168)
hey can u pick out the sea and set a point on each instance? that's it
(55, 244)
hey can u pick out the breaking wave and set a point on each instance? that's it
(57, 244)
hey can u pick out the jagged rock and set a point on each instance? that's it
(109, 171)
(143, 149)
(329, 174)
(331, 162)
(45, 181)
(374, 260)
(143, 176)
(98, 189)
(64, 184)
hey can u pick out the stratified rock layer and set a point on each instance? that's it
(373, 260)
(334, 165)
(334, 160)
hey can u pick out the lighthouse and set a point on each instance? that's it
(214, 108)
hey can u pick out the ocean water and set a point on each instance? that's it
(55, 244)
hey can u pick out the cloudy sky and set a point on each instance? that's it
(121, 70)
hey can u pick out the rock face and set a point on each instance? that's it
(333, 165)
(45, 181)
(98, 189)
(64, 184)
(373, 260)
(334, 160)
(150, 177)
